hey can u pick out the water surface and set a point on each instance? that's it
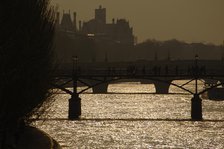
(140, 120)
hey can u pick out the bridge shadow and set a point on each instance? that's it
(129, 119)
(120, 93)
(140, 93)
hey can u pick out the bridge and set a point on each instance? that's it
(160, 73)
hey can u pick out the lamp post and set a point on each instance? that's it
(74, 64)
(75, 101)
(196, 74)
(74, 73)
(196, 102)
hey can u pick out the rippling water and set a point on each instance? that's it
(135, 120)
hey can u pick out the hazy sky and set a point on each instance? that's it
(187, 20)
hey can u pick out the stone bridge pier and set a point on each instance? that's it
(222, 81)
(99, 85)
(196, 108)
(74, 104)
(100, 89)
(74, 107)
(162, 87)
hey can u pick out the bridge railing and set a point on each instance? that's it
(141, 71)
(144, 71)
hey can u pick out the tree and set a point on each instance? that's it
(26, 41)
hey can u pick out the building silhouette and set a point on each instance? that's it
(66, 24)
(118, 31)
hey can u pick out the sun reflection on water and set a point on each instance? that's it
(135, 120)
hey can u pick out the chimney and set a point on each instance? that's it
(113, 21)
(74, 21)
(57, 18)
(80, 25)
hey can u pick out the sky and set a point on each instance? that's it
(185, 20)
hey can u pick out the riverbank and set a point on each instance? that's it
(34, 138)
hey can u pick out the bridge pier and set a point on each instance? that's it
(74, 110)
(161, 87)
(74, 105)
(99, 89)
(222, 83)
(196, 108)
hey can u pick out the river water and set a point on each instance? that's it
(138, 120)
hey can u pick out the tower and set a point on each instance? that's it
(156, 56)
(57, 18)
(106, 57)
(168, 56)
(100, 14)
(66, 22)
(222, 49)
(80, 25)
(74, 21)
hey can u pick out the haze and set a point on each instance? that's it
(186, 20)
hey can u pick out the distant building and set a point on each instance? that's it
(94, 40)
(66, 23)
(118, 31)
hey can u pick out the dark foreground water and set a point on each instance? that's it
(135, 121)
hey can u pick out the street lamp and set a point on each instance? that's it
(196, 102)
(74, 64)
(196, 73)
(75, 101)
(74, 74)
(196, 59)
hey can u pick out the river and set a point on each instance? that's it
(135, 118)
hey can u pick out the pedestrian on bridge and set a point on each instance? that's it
(177, 70)
(166, 70)
(143, 70)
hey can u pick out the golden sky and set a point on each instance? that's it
(186, 20)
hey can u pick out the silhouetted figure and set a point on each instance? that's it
(109, 70)
(154, 69)
(159, 70)
(135, 70)
(130, 70)
(143, 70)
(189, 70)
(78, 70)
(203, 70)
(166, 70)
(113, 71)
(177, 70)
(195, 70)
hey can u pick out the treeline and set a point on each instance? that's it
(176, 50)
(91, 50)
